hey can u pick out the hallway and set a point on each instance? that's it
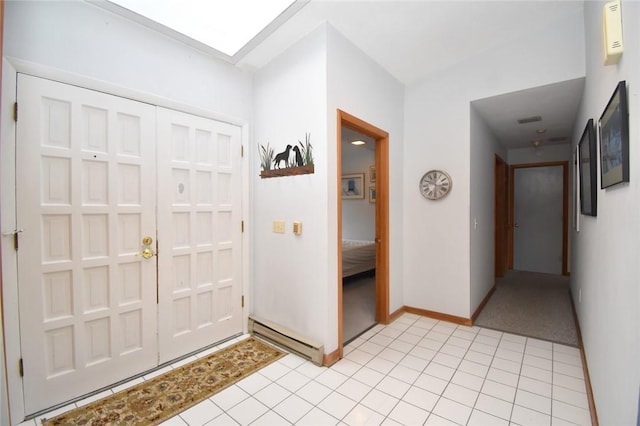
(531, 304)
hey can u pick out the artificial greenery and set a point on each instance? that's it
(266, 157)
(306, 150)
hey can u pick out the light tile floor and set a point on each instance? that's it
(414, 371)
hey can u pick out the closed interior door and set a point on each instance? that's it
(85, 199)
(103, 182)
(538, 219)
(199, 232)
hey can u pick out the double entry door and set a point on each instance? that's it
(129, 237)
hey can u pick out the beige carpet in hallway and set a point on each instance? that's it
(531, 304)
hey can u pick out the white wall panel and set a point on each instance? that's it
(291, 280)
(129, 129)
(95, 124)
(56, 180)
(605, 253)
(484, 146)
(96, 289)
(360, 87)
(87, 40)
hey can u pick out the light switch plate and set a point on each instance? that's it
(278, 226)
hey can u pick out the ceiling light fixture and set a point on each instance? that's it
(536, 142)
(541, 131)
(358, 142)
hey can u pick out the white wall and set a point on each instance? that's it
(295, 279)
(358, 216)
(605, 267)
(484, 147)
(290, 274)
(360, 87)
(437, 242)
(78, 37)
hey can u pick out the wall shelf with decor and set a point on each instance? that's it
(294, 160)
(289, 171)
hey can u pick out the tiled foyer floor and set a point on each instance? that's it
(414, 371)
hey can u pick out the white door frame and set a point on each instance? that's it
(8, 267)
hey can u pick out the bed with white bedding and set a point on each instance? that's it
(357, 256)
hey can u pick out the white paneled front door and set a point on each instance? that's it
(98, 179)
(85, 199)
(199, 232)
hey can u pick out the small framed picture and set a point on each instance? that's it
(353, 186)
(372, 194)
(587, 168)
(372, 174)
(614, 139)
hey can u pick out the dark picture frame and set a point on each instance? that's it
(587, 166)
(614, 139)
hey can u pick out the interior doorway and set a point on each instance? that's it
(358, 233)
(538, 212)
(501, 182)
(380, 193)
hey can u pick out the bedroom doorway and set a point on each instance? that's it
(363, 227)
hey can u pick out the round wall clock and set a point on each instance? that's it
(435, 184)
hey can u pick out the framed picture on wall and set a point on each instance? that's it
(372, 174)
(353, 186)
(587, 164)
(372, 194)
(614, 139)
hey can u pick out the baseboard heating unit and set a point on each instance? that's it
(288, 339)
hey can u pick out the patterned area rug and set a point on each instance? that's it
(162, 397)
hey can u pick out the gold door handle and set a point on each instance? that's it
(147, 253)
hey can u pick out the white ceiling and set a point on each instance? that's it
(413, 38)
(556, 105)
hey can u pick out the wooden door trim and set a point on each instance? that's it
(382, 215)
(501, 223)
(565, 209)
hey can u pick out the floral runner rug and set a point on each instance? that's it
(162, 397)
